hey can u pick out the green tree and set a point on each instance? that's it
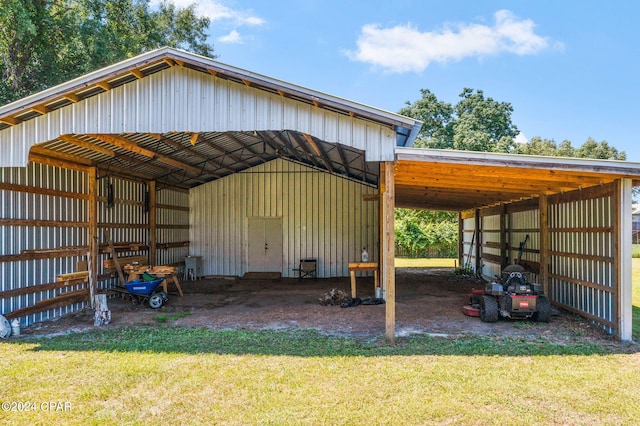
(483, 124)
(47, 42)
(590, 149)
(437, 130)
(475, 123)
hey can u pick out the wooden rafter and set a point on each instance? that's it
(104, 85)
(191, 152)
(127, 144)
(72, 97)
(319, 151)
(87, 145)
(137, 73)
(12, 121)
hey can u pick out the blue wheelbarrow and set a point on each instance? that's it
(145, 291)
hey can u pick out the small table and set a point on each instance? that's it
(363, 266)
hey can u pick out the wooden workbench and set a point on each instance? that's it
(363, 266)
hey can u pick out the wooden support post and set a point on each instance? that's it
(152, 223)
(460, 240)
(544, 243)
(387, 260)
(504, 241)
(102, 314)
(478, 242)
(622, 231)
(93, 234)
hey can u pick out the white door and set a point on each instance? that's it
(265, 244)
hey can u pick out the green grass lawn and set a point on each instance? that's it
(169, 375)
(402, 262)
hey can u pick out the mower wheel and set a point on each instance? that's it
(156, 301)
(489, 309)
(543, 313)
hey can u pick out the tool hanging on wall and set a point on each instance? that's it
(110, 196)
(522, 246)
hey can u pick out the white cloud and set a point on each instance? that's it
(521, 138)
(215, 10)
(404, 48)
(232, 38)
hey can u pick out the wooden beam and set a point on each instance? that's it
(42, 191)
(169, 62)
(42, 223)
(57, 161)
(40, 109)
(152, 223)
(544, 243)
(478, 242)
(93, 234)
(137, 73)
(87, 145)
(194, 138)
(124, 143)
(11, 121)
(72, 97)
(319, 151)
(104, 85)
(212, 72)
(387, 262)
(68, 158)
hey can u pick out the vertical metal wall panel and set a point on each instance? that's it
(490, 241)
(582, 275)
(172, 215)
(323, 217)
(17, 274)
(468, 245)
(521, 224)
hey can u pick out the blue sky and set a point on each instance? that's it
(570, 69)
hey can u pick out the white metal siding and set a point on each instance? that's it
(490, 234)
(582, 260)
(14, 239)
(323, 217)
(180, 99)
(520, 225)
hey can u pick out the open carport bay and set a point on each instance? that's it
(428, 301)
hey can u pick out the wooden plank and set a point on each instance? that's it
(110, 264)
(582, 283)
(114, 258)
(42, 255)
(608, 259)
(82, 275)
(42, 191)
(42, 223)
(170, 207)
(584, 194)
(478, 241)
(33, 289)
(176, 244)
(616, 218)
(44, 305)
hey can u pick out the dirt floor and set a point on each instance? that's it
(427, 301)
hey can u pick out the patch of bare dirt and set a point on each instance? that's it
(427, 301)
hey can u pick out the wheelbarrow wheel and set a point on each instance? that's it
(156, 301)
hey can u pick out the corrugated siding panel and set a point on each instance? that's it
(469, 242)
(520, 225)
(323, 217)
(14, 239)
(168, 216)
(583, 273)
(490, 234)
(180, 99)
